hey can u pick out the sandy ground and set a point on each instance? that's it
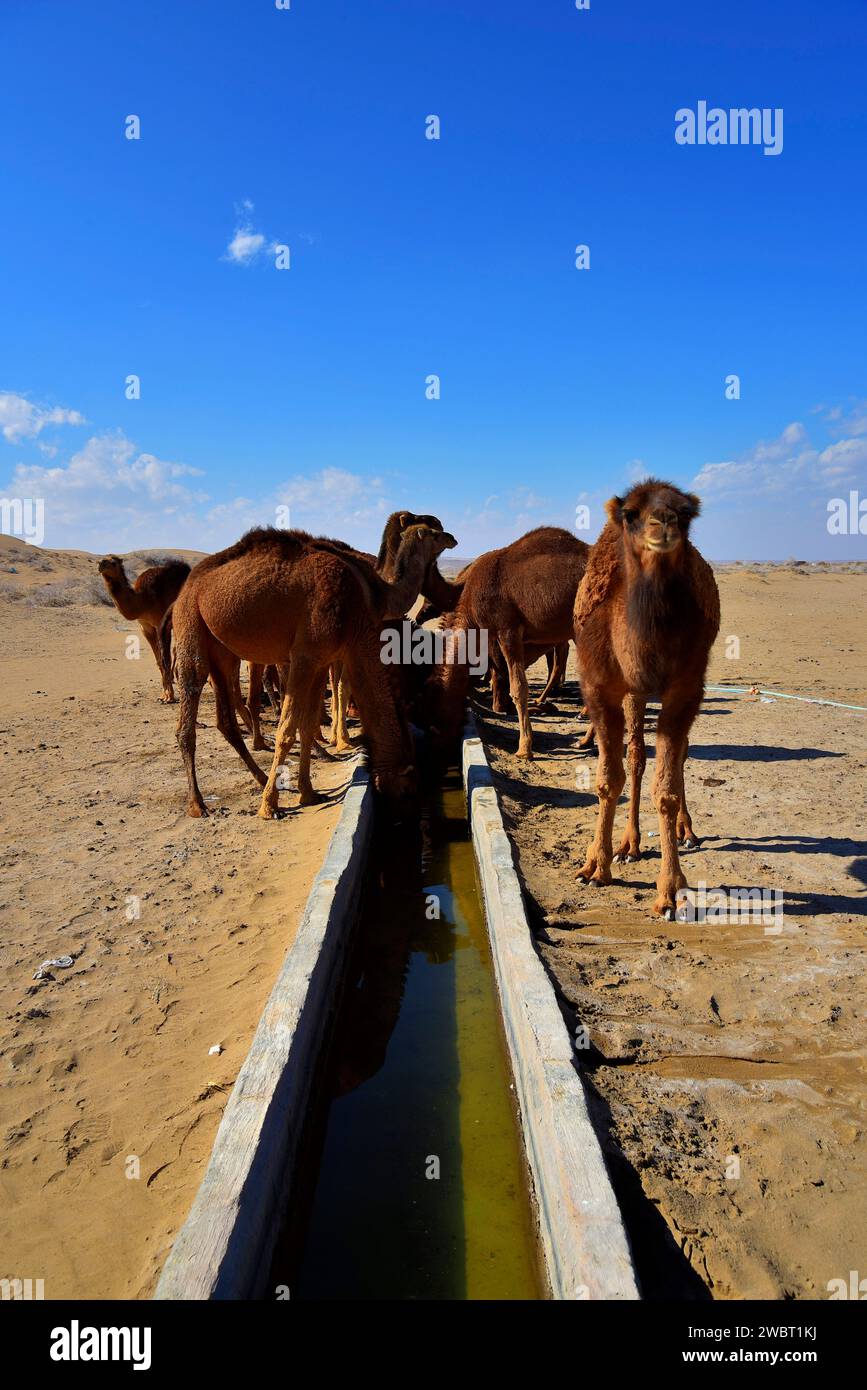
(727, 1061)
(109, 1101)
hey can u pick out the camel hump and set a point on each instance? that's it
(289, 544)
(601, 575)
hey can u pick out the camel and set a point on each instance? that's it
(394, 528)
(386, 567)
(523, 595)
(286, 598)
(146, 602)
(646, 616)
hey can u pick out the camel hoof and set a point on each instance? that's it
(196, 811)
(267, 812)
(690, 842)
(526, 753)
(260, 746)
(311, 798)
(627, 857)
(668, 914)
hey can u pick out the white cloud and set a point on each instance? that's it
(770, 466)
(109, 495)
(21, 419)
(245, 245)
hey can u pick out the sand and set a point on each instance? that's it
(109, 1099)
(727, 1062)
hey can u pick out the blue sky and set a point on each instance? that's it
(411, 257)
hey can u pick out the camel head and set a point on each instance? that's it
(399, 787)
(112, 570)
(430, 541)
(405, 519)
(654, 519)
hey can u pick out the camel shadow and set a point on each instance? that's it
(530, 795)
(757, 752)
(799, 844)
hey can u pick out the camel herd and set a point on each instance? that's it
(641, 606)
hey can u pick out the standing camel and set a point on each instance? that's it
(386, 567)
(646, 616)
(285, 598)
(523, 595)
(146, 602)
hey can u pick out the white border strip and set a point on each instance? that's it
(224, 1248)
(584, 1242)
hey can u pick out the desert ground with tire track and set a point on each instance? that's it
(727, 1061)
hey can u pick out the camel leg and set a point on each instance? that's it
(308, 722)
(191, 674)
(499, 678)
(168, 695)
(608, 719)
(283, 741)
(556, 671)
(236, 697)
(254, 702)
(340, 694)
(296, 708)
(630, 845)
(224, 667)
(671, 737)
(686, 836)
(512, 647)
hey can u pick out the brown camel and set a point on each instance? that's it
(392, 531)
(146, 602)
(646, 616)
(285, 598)
(400, 570)
(523, 596)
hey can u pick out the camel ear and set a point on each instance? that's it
(614, 508)
(405, 519)
(694, 504)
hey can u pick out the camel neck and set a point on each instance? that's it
(440, 591)
(126, 600)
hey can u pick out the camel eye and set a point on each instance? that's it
(630, 515)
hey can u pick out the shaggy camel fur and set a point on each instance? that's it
(646, 616)
(146, 602)
(285, 598)
(523, 595)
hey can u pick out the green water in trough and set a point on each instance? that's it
(417, 1182)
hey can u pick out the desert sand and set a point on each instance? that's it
(109, 1099)
(726, 1062)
